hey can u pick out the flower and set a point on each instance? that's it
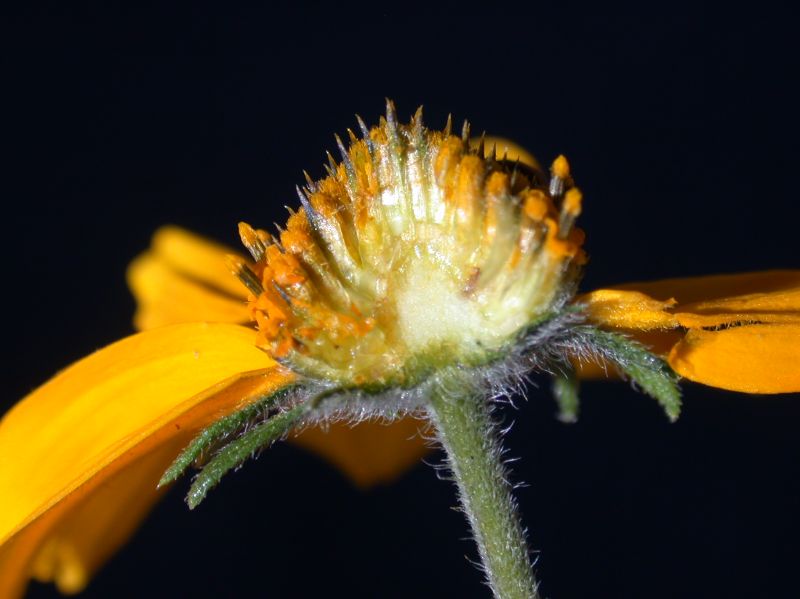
(417, 252)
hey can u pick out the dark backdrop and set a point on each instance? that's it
(681, 128)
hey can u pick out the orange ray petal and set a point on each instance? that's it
(88, 447)
(93, 528)
(777, 306)
(632, 310)
(164, 296)
(197, 257)
(658, 313)
(750, 359)
(713, 301)
(371, 452)
(715, 287)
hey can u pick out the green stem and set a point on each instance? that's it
(462, 417)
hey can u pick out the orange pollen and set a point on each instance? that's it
(572, 201)
(537, 205)
(561, 167)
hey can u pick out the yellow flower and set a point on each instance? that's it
(80, 457)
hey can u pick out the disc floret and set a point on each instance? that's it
(416, 251)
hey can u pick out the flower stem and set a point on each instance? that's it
(464, 425)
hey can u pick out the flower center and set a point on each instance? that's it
(414, 252)
(433, 310)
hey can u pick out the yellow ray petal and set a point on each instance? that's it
(632, 310)
(197, 257)
(714, 301)
(714, 287)
(164, 296)
(750, 359)
(371, 452)
(92, 529)
(656, 313)
(110, 424)
(778, 306)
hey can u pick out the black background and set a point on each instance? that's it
(681, 127)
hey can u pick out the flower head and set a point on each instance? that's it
(418, 256)
(415, 252)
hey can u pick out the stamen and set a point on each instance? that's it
(417, 128)
(570, 210)
(416, 120)
(345, 156)
(239, 268)
(391, 117)
(286, 297)
(536, 205)
(313, 215)
(465, 133)
(560, 174)
(331, 164)
(251, 240)
(514, 170)
(363, 127)
(481, 142)
(312, 186)
(348, 164)
(561, 167)
(573, 201)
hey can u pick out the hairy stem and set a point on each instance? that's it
(464, 426)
